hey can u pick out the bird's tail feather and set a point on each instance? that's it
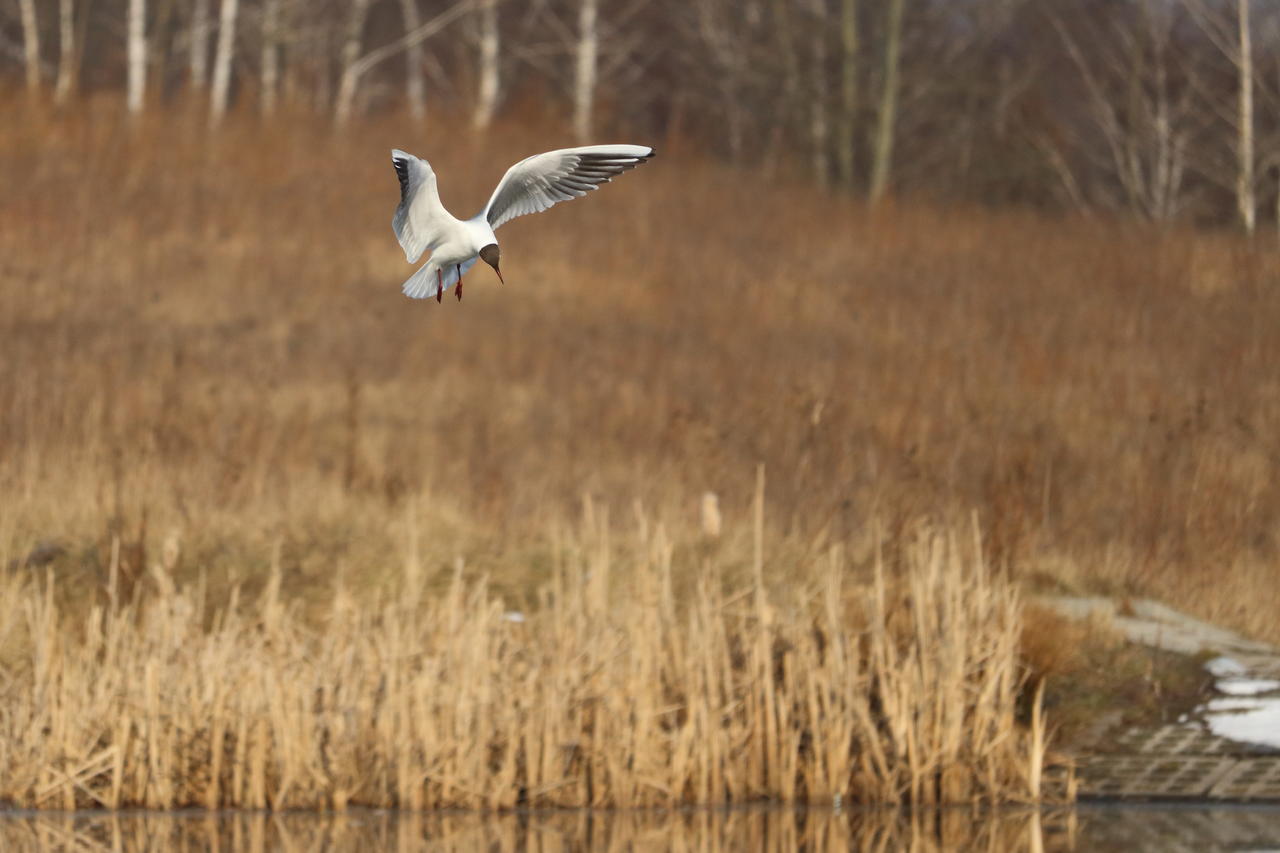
(424, 283)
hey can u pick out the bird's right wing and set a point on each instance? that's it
(537, 182)
(417, 218)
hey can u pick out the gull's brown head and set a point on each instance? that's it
(490, 254)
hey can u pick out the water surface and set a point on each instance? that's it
(1088, 828)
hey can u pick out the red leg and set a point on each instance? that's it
(439, 286)
(459, 269)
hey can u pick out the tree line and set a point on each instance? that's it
(1161, 109)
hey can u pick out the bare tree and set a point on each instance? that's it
(1234, 40)
(31, 45)
(1140, 112)
(67, 52)
(585, 67)
(846, 152)
(199, 44)
(1160, 107)
(351, 48)
(1246, 187)
(489, 58)
(818, 122)
(886, 120)
(220, 92)
(270, 56)
(137, 50)
(784, 34)
(355, 66)
(415, 86)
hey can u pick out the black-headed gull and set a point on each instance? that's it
(534, 184)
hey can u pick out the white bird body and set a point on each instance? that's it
(455, 246)
(422, 224)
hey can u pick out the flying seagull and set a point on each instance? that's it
(532, 185)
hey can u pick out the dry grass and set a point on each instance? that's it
(1091, 675)
(609, 694)
(208, 332)
(205, 364)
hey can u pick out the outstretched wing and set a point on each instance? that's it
(417, 218)
(536, 183)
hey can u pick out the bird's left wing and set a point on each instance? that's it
(416, 219)
(536, 183)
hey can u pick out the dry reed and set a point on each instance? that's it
(639, 680)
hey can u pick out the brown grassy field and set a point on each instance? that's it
(206, 365)
(208, 332)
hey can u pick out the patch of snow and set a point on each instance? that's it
(1236, 686)
(1247, 720)
(1224, 667)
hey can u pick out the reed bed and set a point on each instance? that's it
(639, 680)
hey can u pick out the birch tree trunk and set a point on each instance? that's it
(1245, 184)
(818, 124)
(787, 47)
(415, 87)
(487, 96)
(160, 46)
(137, 51)
(847, 135)
(882, 164)
(66, 83)
(222, 60)
(351, 47)
(200, 44)
(584, 78)
(31, 45)
(270, 56)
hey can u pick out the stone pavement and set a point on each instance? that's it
(1229, 750)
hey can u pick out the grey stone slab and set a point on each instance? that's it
(1249, 779)
(1159, 626)
(1163, 776)
(1184, 739)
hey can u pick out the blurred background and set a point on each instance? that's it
(1159, 109)
(998, 262)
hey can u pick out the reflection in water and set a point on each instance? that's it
(770, 830)
(708, 831)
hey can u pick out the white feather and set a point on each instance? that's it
(534, 184)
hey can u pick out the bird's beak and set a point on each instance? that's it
(499, 272)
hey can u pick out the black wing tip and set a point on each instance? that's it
(401, 164)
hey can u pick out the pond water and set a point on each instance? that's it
(1086, 828)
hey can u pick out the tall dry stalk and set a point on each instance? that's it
(613, 692)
